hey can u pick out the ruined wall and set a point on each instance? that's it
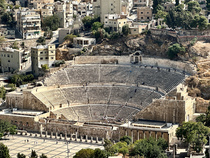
(21, 121)
(100, 59)
(164, 110)
(24, 100)
(201, 105)
(145, 61)
(32, 103)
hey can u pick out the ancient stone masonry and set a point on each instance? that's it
(107, 98)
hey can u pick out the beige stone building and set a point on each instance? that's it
(13, 60)
(82, 41)
(140, 3)
(29, 24)
(42, 55)
(137, 29)
(101, 7)
(115, 22)
(144, 13)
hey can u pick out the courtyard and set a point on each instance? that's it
(51, 147)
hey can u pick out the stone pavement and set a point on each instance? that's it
(51, 147)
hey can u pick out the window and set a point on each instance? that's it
(52, 58)
(41, 52)
(106, 17)
(8, 61)
(4, 55)
(7, 55)
(147, 12)
(141, 12)
(147, 17)
(134, 30)
(41, 58)
(46, 57)
(11, 56)
(142, 18)
(52, 51)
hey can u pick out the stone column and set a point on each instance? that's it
(70, 137)
(65, 137)
(76, 136)
(41, 130)
(126, 132)
(156, 136)
(45, 134)
(131, 136)
(86, 138)
(149, 133)
(80, 138)
(102, 140)
(91, 139)
(51, 134)
(60, 136)
(138, 135)
(96, 139)
(56, 135)
(144, 134)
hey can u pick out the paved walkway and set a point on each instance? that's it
(50, 147)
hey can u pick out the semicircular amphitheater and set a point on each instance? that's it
(105, 92)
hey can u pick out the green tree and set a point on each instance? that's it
(116, 147)
(6, 128)
(194, 133)
(194, 7)
(15, 45)
(48, 33)
(155, 5)
(98, 153)
(84, 153)
(147, 148)
(124, 151)
(43, 156)
(199, 21)
(88, 21)
(7, 18)
(51, 22)
(161, 14)
(4, 151)
(96, 25)
(41, 40)
(69, 38)
(2, 93)
(204, 118)
(174, 50)
(45, 67)
(2, 6)
(126, 139)
(21, 155)
(33, 154)
(125, 30)
(107, 145)
(208, 5)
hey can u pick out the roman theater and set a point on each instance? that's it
(106, 97)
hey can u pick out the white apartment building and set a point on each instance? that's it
(42, 55)
(102, 7)
(13, 59)
(29, 24)
(115, 21)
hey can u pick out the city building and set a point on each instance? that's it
(82, 41)
(137, 29)
(101, 7)
(115, 22)
(42, 55)
(144, 14)
(63, 33)
(13, 59)
(140, 3)
(29, 24)
(7, 33)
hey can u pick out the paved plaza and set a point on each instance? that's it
(50, 147)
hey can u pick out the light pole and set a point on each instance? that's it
(68, 150)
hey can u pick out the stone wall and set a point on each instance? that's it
(24, 100)
(144, 60)
(101, 59)
(21, 121)
(164, 110)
